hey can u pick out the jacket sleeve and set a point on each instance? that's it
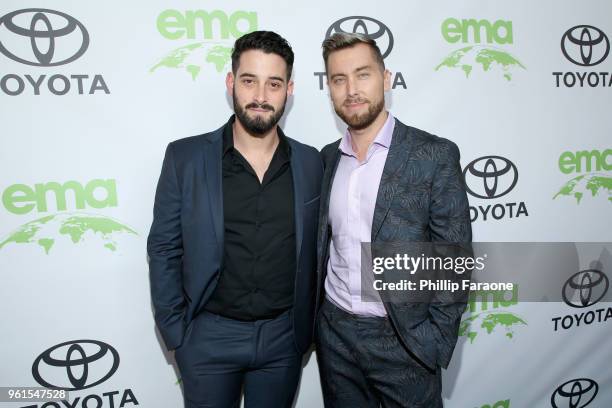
(449, 222)
(165, 250)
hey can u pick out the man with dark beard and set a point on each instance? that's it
(384, 183)
(232, 246)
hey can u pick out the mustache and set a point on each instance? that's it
(256, 105)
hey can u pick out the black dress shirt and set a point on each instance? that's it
(259, 262)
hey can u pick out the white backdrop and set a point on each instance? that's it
(92, 93)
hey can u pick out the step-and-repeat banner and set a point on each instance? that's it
(91, 93)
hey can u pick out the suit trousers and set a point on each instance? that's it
(363, 364)
(220, 357)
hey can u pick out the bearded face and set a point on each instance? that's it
(259, 90)
(357, 84)
(258, 119)
(360, 112)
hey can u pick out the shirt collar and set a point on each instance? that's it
(383, 137)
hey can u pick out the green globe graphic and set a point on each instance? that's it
(74, 227)
(487, 58)
(589, 185)
(194, 58)
(489, 322)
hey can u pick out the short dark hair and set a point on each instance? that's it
(266, 41)
(340, 41)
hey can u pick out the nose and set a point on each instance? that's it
(351, 87)
(260, 94)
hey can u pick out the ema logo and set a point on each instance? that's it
(578, 393)
(487, 57)
(492, 177)
(22, 199)
(585, 46)
(67, 227)
(371, 28)
(498, 404)
(488, 322)
(217, 28)
(45, 38)
(593, 183)
(78, 365)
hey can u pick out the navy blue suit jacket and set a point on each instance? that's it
(185, 244)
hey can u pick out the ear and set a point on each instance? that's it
(387, 80)
(229, 83)
(290, 88)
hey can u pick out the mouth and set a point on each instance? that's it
(259, 110)
(354, 105)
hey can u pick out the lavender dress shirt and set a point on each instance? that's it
(351, 210)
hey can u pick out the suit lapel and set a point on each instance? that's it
(298, 197)
(331, 165)
(328, 180)
(395, 165)
(212, 163)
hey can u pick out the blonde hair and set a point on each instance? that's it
(340, 41)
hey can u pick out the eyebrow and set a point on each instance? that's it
(363, 68)
(275, 78)
(248, 75)
(356, 70)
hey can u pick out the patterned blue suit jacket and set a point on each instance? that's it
(421, 198)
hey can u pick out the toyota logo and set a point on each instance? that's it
(490, 177)
(367, 26)
(75, 365)
(591, 284)
(574, 393)
(55, 38)
(585, 45)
